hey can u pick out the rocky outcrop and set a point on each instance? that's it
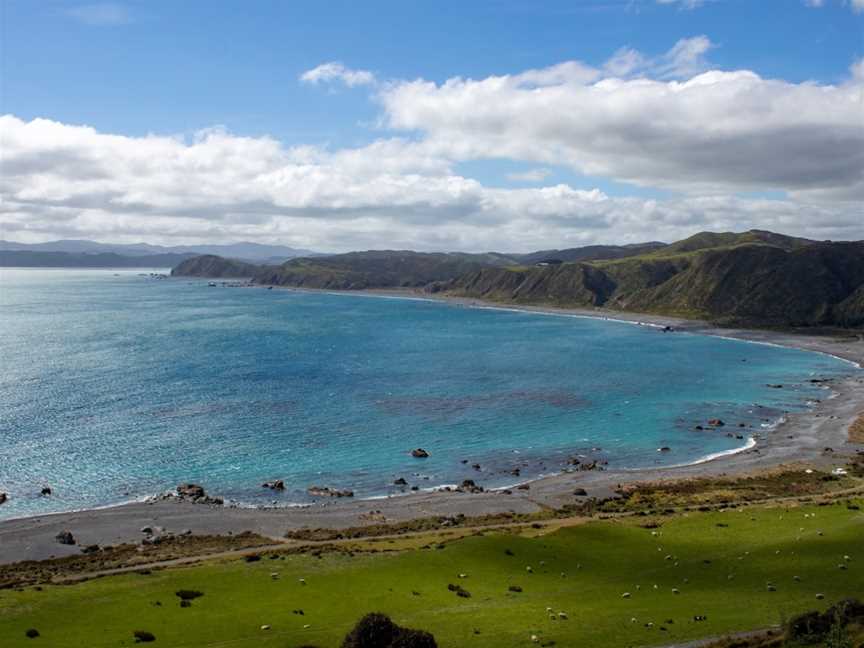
(326, 491)
(469, 486)
(276, 484)
(419, 453)
(65, 538)
(196, 494)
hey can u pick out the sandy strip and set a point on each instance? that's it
(801, 438)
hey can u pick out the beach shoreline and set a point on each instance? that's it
(800, 439)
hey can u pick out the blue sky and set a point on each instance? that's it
(180, 66)
(135, 68)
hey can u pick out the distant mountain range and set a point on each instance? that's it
(30, 259)
(254, 252)
(753, 278)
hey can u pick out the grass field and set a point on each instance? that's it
(736, 567)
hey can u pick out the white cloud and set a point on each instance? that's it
(656, 121)
(532, 175)
(335, 71)
(101, 14)
(857, 6)
(683, 4)
(64, 181)
(713, 132)
(685, 59)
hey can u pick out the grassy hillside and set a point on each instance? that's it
(710, 240)
(756, 278)
(740, 568)
(210, 265)
(376, 269)
(591, 252)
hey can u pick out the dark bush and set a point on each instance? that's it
(184, 603)
(414, 639)
(811, 628)
(376, 630)
(515, 588)
(142, 636)
(32, 633)
(252, 558)
(188, 595)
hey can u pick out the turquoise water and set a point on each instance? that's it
(115, 386)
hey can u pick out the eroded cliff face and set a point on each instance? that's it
(821, 284)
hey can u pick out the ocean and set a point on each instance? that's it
(116, 386)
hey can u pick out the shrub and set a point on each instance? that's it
(142, 636)
(813, 628)
(31, 633)
(414, 639)
(376, 630)
(188, 595)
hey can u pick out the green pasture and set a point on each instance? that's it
(738, 568)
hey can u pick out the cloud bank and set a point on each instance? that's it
(714, 139)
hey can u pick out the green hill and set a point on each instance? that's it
(210, 265)
(757, 278)
(591, 252)
(754, 278)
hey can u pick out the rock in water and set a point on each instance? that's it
(419, 453)
(277, 484)
(3, 498)
(326, 491)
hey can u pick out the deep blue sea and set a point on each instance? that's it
(116, 386)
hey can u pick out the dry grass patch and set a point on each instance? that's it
(32, 572)
(714, 491)
(856, 430)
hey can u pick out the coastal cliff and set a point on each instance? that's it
(754, 278)
(759, 283)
